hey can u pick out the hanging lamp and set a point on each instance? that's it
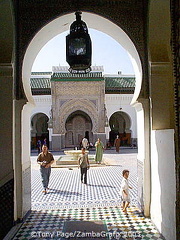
(78, 46)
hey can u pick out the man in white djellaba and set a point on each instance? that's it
(85, 143)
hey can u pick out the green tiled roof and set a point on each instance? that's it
(119, 82)
(111, 83)
(40, 83)
(65, 76)
(41, 73)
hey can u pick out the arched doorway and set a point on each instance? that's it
(78, 125)
(39, 129)
(120, 124)
(46, 33)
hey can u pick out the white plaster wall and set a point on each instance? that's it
(26, 115)
(42, 105)
(26, 161)
(116, 101)
(163, 182)
(140, 131)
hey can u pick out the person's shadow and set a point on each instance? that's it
(100, 185)
(62, 192)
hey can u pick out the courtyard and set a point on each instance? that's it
(68, 200)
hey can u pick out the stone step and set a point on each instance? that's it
(76, 166)
(68, 160)
(71, 162)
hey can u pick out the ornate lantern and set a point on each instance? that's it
(78, 47)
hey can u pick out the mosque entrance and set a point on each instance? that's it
(78, 125)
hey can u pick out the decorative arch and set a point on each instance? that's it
(120, 124)
(78, 125)
(74, 105)
(55, 27)
(41, 112)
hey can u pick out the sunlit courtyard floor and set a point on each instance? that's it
(70, 200)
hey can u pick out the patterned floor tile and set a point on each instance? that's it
(70, 200)
(42, 224)
(66, 189)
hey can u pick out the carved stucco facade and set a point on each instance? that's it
(71, 96)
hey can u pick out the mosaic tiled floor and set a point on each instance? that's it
(48, 224)
(70, 200)
(66, 189)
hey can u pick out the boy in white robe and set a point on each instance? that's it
(125, 196)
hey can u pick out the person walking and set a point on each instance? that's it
(83, 163)
(117, 143)
(45, 141)
(45, 159)
(39, 146)
(99, 151)
(125, 196)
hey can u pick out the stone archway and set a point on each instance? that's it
(39, 129)
(42, 36)
(120, 124)
(78, 124)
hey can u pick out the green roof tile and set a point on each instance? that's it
(41, 73)
(119, 82)
(65, 76)
(40, 83)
